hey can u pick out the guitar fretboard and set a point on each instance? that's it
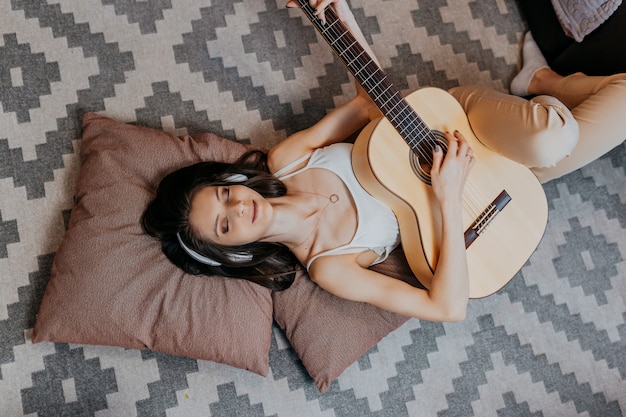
(369, 75)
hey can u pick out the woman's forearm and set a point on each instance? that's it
(449, 288)
(450, 284)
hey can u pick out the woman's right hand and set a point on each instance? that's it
(450, 172)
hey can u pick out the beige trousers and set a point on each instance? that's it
(551, 135)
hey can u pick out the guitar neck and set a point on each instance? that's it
(369, 75)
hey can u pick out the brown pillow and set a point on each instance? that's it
(110, 283)
(329, 333)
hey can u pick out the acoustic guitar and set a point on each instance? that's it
(504, 206)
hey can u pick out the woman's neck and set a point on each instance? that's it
(296, 217)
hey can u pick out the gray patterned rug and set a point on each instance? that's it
(551, 343)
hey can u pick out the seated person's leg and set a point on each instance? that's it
(542, 133)
(537, 133)
(598, 106)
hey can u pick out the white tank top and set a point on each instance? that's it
(377, 226)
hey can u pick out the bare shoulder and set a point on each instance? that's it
(287, 151)
(343, 276)
(324, 269)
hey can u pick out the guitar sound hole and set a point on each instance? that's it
(422, 156)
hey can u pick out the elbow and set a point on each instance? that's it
(457, 316)
(455, 313)
(367, 110)
(448, 308)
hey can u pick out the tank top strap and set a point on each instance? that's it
(341, 250)
(283, 173)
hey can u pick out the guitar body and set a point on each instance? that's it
(382, 163)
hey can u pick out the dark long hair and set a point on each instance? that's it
(271, 265)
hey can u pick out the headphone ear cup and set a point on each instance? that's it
(240, 257)
(236, 178)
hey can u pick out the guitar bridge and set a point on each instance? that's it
(486, 217)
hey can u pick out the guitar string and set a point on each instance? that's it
(471, 206)
(388, 94)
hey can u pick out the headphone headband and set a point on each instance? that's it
(195, 255)
(236, 178)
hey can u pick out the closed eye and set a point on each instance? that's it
(225, 223)
(222, 195)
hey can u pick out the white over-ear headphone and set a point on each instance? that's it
(237, 178)
(235, 257)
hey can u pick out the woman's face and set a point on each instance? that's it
(230, 215)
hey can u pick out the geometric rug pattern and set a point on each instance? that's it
(550, 343)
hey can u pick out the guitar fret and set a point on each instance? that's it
(356, 73)
(393, 108)
(325, 28)
(415, 127)
(357, 57)
(349, 49)
(365, 80)
(389, 99)
(411, 121)
(371, 90)
(338, 38)
(393, 114)
(404, 128)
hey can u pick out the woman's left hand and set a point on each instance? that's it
(341, 8)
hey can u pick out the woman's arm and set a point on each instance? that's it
(448, 293)
(342, 276)
(342, 121)
(450, 282)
